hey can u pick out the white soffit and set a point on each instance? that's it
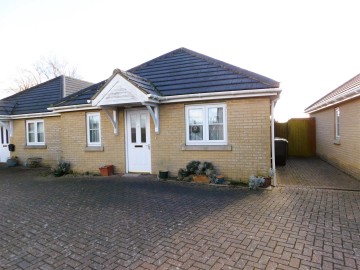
(119, 91)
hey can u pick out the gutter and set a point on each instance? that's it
(336, 100)
(217, 95)
(34, 115)
(273, 102)
(73, 108)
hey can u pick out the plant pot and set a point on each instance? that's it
(267, 182)
(201, 179)
(163, 175)
(220, 179)
(107, 170)
(11, 162)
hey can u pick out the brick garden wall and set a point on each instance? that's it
(346, 155)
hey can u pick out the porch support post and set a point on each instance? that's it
(114, 119)
(154, 112)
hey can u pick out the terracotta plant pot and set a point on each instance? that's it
(267, 182)
(107, 170)
(201, 179)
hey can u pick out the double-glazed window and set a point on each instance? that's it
(35, 132)
(93, 129)
(206, 124)
(337, 123)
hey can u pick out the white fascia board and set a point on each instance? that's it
(71, 108)
(119, 91)
(330, 103)
(33, 115)
(219, 95)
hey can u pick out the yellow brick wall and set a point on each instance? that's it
(248, 133)
(73, 138)
(49, 155)
(346, 155)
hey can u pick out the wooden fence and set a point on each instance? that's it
(301, 135)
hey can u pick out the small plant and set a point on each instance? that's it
(62, 169)
(271, 173)
(255, 182)
(192, 167)
(195, 167)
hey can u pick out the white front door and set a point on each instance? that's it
(4, 142)
(138, 141)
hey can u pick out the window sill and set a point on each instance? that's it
(35, 146)
(337, 141)
(227, 147)
(94, 149)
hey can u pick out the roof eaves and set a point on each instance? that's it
(351, 92)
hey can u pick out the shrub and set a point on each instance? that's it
(256, 182)
(62, 169)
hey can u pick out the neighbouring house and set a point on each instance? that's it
(337, 117)
(160, 115)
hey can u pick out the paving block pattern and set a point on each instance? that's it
(141, 223)
(315, 173)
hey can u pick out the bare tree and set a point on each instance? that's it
(45, 69)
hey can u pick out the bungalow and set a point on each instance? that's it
(160, 115)
(337, 117)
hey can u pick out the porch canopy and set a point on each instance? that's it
(124, 89)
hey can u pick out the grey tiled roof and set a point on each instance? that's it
(73, 85)
(80, 97)
(187, 72)
(179, 72)
(348, 90)
(38, 98)
(140, 82)
(6, 107)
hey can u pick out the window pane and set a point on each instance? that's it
(31, 127)
(94, 136)
(196, 116)
(40, 137)
(133, 128)
(195, 132)
(40, 127)
(31, 137)
(94, 122)
(216, 115)
(2, 135)
(216, 132)
(143, 128)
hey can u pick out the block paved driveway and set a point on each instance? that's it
(314, 173)
(140, 223)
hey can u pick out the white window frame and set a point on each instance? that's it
(206, 140)
(88, 115)
(337, 123)
(35, 122)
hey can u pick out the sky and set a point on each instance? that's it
(311, 46)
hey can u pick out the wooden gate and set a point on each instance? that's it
(301, 135)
